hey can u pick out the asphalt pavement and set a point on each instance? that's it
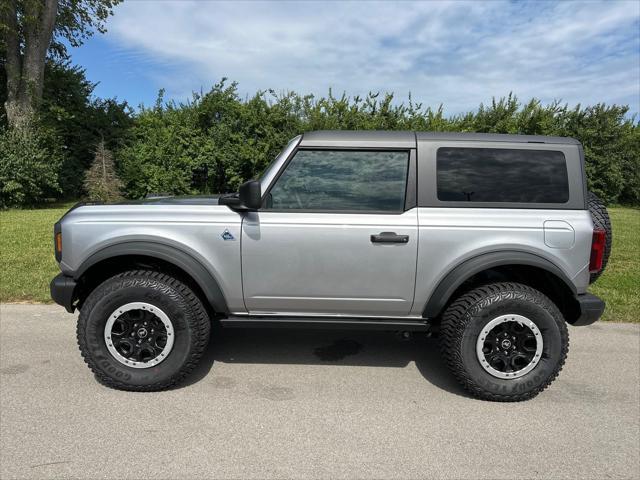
(311, 404)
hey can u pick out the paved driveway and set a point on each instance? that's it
(287, 403)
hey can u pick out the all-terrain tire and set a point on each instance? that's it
(191, 327)
(465, 320)
(601, 221)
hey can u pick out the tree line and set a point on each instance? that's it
(234, 139)
(217, 140)
(59, 141)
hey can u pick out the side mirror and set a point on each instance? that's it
(251, 195)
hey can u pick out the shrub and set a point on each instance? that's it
(235, 139)
(30, 158)
(167, 145)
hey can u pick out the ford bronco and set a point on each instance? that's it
(491, 241)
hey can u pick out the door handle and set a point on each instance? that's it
(389, 237)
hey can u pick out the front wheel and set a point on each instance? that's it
(504, 341)
(142, 330)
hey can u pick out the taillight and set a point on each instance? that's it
(597, 250)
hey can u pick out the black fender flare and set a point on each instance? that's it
(174, 255)
(459, 274)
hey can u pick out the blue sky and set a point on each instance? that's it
(455, 53)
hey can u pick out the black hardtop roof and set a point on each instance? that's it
(407, 138)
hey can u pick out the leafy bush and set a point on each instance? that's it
(235, 139)
(29, 163)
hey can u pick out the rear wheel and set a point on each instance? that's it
(142, 330)
(504, 341)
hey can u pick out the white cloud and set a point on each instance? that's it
(458, 53)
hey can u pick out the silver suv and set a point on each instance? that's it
(490, 241)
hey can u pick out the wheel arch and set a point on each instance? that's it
(524, 267)
(135, 254)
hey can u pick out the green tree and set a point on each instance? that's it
(80, 121)
(32, 28)
(101, 181)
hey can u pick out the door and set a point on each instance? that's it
(337, 236)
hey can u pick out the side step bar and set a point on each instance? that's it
(337, 323)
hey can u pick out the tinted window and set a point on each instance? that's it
(342, 180)
(502, 175)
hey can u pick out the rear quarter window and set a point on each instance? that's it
(501, 175)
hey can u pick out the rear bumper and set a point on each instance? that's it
(591, 309)
(62, 289)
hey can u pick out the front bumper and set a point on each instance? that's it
(62, 290)
(591, 309)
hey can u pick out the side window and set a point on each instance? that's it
(342, 180)
(501, 175)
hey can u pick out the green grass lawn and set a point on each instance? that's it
(26, 253)
(27, 264)
(619, 285)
